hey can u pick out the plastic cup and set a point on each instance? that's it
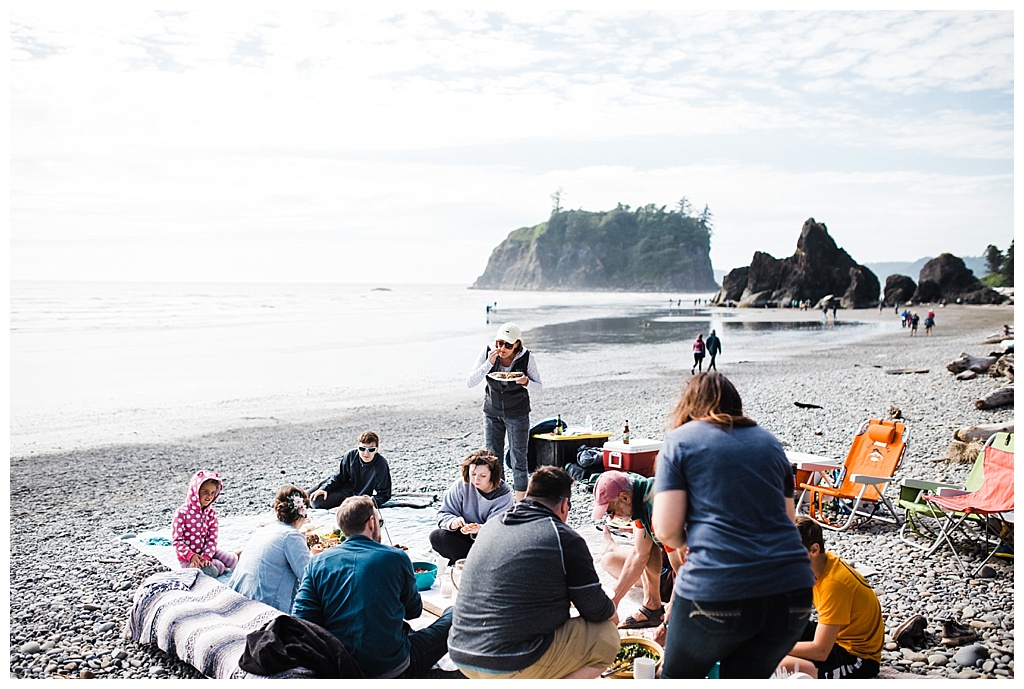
(643, 668)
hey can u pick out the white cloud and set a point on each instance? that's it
(177, 134)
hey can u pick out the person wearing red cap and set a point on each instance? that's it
(628, 496)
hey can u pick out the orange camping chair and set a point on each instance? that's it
(993, 501)
(842, 496)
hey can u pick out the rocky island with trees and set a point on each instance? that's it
(644, 249)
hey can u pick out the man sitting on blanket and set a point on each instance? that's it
(361, 471)
(512, 613)
(362, 591)
(628, 496)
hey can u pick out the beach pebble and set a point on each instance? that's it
(970, 655)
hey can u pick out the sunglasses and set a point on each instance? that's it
(500, 344)
(367, 449)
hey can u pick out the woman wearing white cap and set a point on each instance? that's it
(506, 399)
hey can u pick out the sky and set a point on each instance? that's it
(404, 146)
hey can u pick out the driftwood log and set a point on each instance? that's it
(966, 362)
(981, 432)
(1003, 367)
(999, 397)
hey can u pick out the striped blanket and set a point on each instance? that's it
(201, 621)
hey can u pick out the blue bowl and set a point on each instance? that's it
(426, 578)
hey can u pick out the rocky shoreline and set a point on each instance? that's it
(71, 580)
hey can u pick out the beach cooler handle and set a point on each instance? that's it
(614, 460)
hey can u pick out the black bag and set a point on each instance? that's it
(577, 472)
(590, 458)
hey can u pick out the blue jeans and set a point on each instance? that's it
(518, 429)
(428, 645)
(748, 637)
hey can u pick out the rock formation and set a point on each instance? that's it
(648, 249)
(946, 277)
(898, 289)
(818, 269)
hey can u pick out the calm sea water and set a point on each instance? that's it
(98, 363)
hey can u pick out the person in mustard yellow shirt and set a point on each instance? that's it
(846, 641)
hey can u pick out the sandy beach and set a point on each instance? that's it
(71, 581)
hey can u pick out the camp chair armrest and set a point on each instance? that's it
(918, 484)
(951, 492)
(866, 478)
(816, 466)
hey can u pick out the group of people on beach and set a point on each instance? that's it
(729, 574)
(910, 320)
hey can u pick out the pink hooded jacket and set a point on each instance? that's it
(194, 530)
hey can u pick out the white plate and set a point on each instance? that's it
(497, 375)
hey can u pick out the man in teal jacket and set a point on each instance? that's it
(362, 591)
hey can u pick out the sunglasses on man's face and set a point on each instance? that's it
(500, 344)
(371, 450)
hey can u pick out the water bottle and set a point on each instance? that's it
(590, 424)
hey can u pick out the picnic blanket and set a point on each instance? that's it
(201, 621)
(408, 526)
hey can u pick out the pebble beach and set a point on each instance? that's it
(72, 579)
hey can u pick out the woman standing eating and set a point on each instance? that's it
(724, 489)
(477, 496)
(509, 369)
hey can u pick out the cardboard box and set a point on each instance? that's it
(638, 456)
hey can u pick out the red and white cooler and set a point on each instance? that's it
(637, 456)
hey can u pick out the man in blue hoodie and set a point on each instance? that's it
(511, 618)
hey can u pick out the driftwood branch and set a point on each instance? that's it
(966, 362)
(982, 431)
(997, 398)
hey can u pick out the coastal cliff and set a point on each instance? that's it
(647, 249)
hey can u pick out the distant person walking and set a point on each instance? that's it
(929, 323)
(914, 320)
(698, 353)
(714, 348)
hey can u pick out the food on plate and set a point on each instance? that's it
(421, 570)
(628, 651)
(401, 547)
(466, 528)
(311, 540)
(511, 375)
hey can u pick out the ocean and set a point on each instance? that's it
(101, 363)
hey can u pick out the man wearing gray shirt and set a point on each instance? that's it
(511, 618)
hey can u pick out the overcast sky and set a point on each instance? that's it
(315, 146)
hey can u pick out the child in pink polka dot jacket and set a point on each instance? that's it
(194, 529)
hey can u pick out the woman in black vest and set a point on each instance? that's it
(509, 369)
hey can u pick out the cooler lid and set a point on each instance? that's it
(635, 445)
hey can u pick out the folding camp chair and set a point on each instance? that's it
(924, 519)
(993, 501)
(842, 496)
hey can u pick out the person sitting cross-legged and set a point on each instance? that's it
(477, 496)
(526, 568)
(846, 641)
(362, 591)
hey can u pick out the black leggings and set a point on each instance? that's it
(453, 545)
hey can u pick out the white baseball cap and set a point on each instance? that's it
(508, 332)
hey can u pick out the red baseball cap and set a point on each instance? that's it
(607, 488)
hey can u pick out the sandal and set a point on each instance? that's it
(653, 619)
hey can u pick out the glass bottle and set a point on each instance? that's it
(558, 425)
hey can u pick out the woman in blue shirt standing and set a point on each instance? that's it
(724, 489)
